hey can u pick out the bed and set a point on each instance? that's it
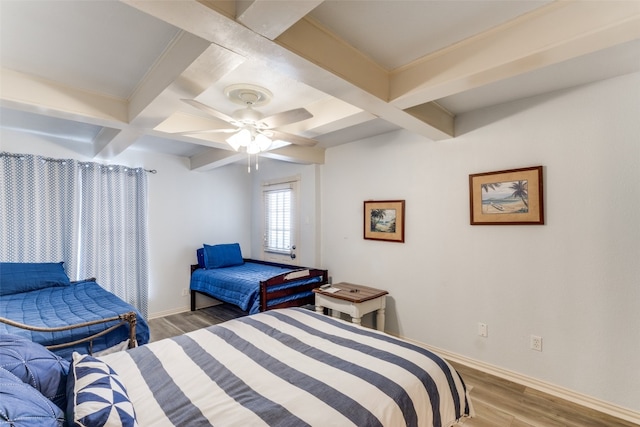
(252, 285)
(40, 303)
(285, 367)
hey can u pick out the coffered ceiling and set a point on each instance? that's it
(102, 77)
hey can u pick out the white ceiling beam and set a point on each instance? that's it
(305, 52)
(180, 122)
(549, 35)
(217, 26)
(187, 69)
(329, 114)
(309, 53)
(40, 96)
(435, 115)
(308, 39)
(211, 20)
(342, 122)
(297, 154)
(334, 67)
(184, 50)
(206, 64)
(213, 158)
(205, 140)
(110, 143)
(102, 140)
(271, 18)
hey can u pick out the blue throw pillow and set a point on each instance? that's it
(36, 366)
(218, 256)
(17, 277)
(200, 256)
(96, 396)
(23, 406)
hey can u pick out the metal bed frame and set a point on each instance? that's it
(129, 318)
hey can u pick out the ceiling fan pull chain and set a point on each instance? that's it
(257, 161)
(249, 163)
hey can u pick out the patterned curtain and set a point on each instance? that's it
(92, 217)
(39, 216)
(114, 234)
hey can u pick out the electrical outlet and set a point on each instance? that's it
(185, 292)
(535, 343)
(483, 330)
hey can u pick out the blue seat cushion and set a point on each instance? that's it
(23, 406)
(36, 366)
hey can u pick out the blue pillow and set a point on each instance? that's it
(226, 255)
(200, 256)
(23, 406)
(36, 366)
(17, 277)
(96, 396)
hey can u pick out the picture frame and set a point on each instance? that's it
(384, 220)
(507, 197)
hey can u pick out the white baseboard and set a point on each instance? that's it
(168, 312)
(180, 310)
(545, 387)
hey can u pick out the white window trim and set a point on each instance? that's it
(275, 185)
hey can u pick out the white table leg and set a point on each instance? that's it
(380, 319)
(356, 320)
(319, 309)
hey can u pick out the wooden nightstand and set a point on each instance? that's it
(354, 300)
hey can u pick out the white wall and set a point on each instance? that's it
(186, 209)
(574, 281)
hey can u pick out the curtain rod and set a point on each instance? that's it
(51, 159)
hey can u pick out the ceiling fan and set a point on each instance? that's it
(252, 131)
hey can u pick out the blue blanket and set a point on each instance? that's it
(240, 284)
(67, 305)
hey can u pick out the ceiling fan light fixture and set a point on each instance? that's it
(247, 116)
(239, 139)
(254, 132)
(263, 142)
(248, 137)
(253, 148)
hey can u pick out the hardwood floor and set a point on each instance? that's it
(501, 403)
(497, 402)
(176, 324)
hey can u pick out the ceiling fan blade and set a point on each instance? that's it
(196, 132)
(286, 117)
(215, 113)
(293, 139)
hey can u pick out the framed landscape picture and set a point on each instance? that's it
(384, 220)
(507, 197)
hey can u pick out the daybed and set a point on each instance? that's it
(252, 285)
(287, 367)
(39, 302)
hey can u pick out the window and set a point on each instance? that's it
(279, 201)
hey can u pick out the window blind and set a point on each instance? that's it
(280, 214)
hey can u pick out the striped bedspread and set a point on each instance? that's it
(290, 367)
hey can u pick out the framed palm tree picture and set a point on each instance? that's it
(384, 220)
(508, 197)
